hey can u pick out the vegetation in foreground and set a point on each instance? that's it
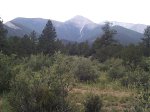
(44, 75)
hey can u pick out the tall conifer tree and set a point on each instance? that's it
(3, 33)
(47, 39)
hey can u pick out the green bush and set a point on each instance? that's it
(36, 63)
(5, 72)
(40, 86)
(132, 56)
(86, 70)
(116, 69)
(142, 102)
(138, 78)
(117, 73)
(93, 103)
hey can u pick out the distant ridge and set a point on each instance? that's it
(76, 29)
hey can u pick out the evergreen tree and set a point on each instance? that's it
(83, 49)
(34, 40)
(14, 45)
(72, 48)
(59, 46)
(107, 37)
(3, 39)
(132, 56)
(47, 39)
(146, 41)
(26, 46)
(104, 47)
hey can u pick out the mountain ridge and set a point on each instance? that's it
(76, 29)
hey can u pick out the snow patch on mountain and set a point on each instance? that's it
(11, 25)
(81, 31)
(126, 25)
(135, 27)
(139, 28)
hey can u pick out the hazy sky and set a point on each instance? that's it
(134, 11)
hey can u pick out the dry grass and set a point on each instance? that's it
(102, 92)
(114, 100)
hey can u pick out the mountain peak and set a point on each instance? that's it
(79, 21)
(80, 18)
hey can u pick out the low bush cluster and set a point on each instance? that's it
(6, 73)
(43, 89)
(93, 103)
(86, 70)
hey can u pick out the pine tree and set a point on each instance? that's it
(3, 40)
(47, 39)
(107, 37)
(83, 49)
(26, 46)
(104, 47)
(33, 39)
(146, 41)
(14, 45)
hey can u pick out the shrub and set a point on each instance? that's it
(38, 62)
(42, 87)
(138, 77)
(5, 72)
(132, 56)
(116, 73)
(93, 103)
(142, 102)
(116, 69)
(86, 70)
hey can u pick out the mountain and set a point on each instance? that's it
(139, 28)
(126, 36)
(135, 27)
(16, 29)
(79, 21)
(76, 29)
